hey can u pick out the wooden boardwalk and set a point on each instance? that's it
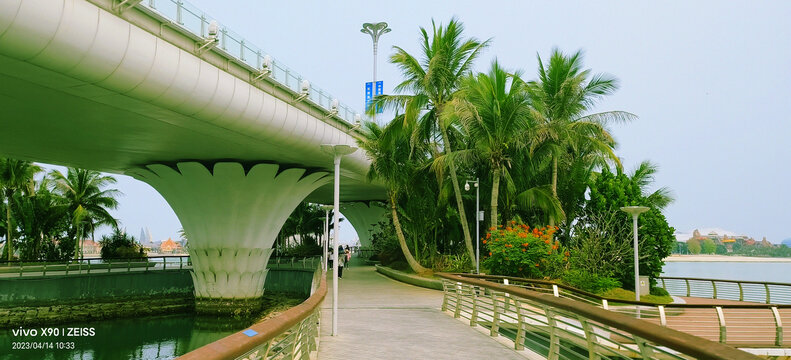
(380, 318)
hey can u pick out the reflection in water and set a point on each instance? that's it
(156, 337)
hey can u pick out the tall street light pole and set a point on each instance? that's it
(375, 30)
(338, 151)
(324, 243)
(635, 211)
(477, 222)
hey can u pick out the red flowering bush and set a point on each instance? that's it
(518, 250)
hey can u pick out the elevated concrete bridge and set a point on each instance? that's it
(226, 134)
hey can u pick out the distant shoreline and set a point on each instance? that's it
(723, 258)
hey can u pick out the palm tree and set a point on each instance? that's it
(41, 217)
(15, 176)
(430, 84)
(494, 109)
(389, 150)
(87, 201)
(643, 176)
(562, 97)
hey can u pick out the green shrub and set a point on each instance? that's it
(589, 282)
(658, 291)
(400, 266)
(303, 250)
(519, 251)
(452, 263)
(385, 244)
(121, 245)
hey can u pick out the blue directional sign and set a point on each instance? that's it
(369, 94)
(379, 87)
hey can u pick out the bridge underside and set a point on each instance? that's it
(46, 120)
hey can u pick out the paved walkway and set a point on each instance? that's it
(380, 318)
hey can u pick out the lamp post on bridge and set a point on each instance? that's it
(324, 243)
(337, 151)
(375, 30)
(635, 211)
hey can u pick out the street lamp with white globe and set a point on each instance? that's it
(635, 211)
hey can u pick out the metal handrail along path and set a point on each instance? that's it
(293, 334)
(737, 290)
(560, 328)
(746, 325)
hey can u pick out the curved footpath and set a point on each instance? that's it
(381, 318)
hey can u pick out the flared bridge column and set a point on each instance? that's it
(363, 217)
(231, 214)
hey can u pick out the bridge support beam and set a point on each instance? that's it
(363, 217)
(231, 214)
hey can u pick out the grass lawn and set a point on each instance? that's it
(622, 294)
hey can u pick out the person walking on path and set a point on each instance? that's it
(341, 259)
(348, 255)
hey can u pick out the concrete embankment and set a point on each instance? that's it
(44, 300)
(59, 299)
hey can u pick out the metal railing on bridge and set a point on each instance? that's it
(290, 335)
(294, 262)
(561, 328)
(183, 15)
(93, 265)
(737, 290)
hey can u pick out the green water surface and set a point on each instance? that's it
(155, 337)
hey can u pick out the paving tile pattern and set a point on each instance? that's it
(380, 318)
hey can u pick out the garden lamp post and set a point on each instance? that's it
(324, 243)
(375, 30)
(477, 222)
(635, 211)
(337, 151)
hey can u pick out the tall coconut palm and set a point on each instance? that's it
(15, 176)
(493, 109)
(562, 97)
(41, 217)
(389, 151)
(88, 202)
(430, 83)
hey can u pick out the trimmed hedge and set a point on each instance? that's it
(410, 278)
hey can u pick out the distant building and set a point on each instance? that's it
(91, 247)
(169, 247)
(145, 240)
(721, 239)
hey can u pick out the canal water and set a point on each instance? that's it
(752, 271)
(158, 337)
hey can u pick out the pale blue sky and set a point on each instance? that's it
(710, 81)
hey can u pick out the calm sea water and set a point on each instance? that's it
(753, 271)
(160, 337)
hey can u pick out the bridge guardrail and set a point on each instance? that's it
(181, 14)
(94, 265)
(737, 290)
(561, 328)
(291, 335)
